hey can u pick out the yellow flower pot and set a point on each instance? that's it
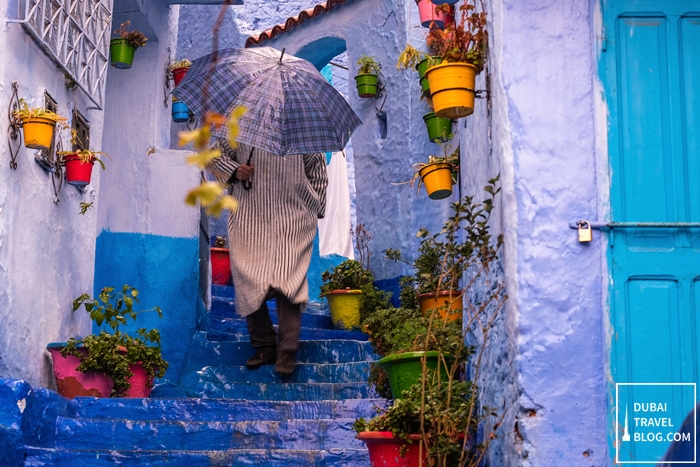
(345, 308)
(445, 301)
(452, 89)
(38, 132)
(437, 179)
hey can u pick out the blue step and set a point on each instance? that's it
(165, 435)
(226, 410)
(36, 457)
(356, 372)
(205, 353)
(226, 308)
(215, 389)
(236, 329)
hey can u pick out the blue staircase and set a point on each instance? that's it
(221, 414)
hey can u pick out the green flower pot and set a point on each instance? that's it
(405, 369)
(367, 85)
(121, 53)
(439, 129)
(422, 67)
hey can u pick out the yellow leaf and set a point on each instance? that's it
(226, 202)
(202, 158)
(206, 193)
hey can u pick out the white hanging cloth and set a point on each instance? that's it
(334, 229)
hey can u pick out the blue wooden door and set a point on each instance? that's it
(651, 70)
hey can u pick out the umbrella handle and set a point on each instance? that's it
(248, 184)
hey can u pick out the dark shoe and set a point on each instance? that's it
(285, 363)
(261, 357)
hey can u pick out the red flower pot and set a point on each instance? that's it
(77, 172)
(179, 73)
(385, 450)
(141, 384)
(428, 16)
(220, 266)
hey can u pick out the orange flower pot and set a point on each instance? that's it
(447, 302)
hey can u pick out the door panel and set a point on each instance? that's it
(652, 81)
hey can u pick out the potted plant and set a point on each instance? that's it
(38, 125)
(179, 69)
(220, 262)
(79, 163)
(463, 48)
(349, 287)
(439, 129)
(367, 78)
(432, 15)
(123, 48)
(439, 410)
(129, 362)
(438, 174)
(420, 61)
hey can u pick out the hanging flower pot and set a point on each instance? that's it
(345, 308)
(179, 74)
(439, 129)
(78, 173)
(437, 178)
(405, 369)
(428, 16)
(441, 2)
(70, 382)
(181, 113)
(121, 53)
(452, 89)
(445, 301)
(38, 132)
(422, 67)
(367, 85)
(387, 450)
(220, 266)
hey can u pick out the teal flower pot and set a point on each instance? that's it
(367, 85)
(405, 369)
(439, 129)
(121, 53)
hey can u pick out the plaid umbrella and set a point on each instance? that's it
(291, 108)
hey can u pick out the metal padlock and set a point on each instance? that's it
(585, 234)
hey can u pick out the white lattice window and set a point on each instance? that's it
(75, 34)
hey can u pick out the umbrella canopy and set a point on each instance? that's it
(291, 108)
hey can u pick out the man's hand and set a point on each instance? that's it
(244, 172)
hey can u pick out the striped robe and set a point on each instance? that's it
(271, 233)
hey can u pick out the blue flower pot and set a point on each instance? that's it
(180, 111)
(440, 2)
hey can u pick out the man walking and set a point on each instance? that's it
(271, 237)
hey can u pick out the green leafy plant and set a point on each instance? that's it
(184, 63)
(85, 207)
(24, 112)
(134, 38)
(368, 65)
(113, 353)
(444, 411)
(465, 41)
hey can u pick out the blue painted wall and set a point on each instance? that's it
(165, 270)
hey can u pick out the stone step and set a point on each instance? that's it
(226, 308)
(204, 352)
(215, 389)
(224, 410)
(37, 457)
(165, 435)
(235, 329)
(356, 372)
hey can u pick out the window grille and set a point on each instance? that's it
(75, 34)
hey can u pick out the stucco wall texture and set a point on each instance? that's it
(47, 250)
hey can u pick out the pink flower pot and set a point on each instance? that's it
(70, 382)
(141, 384)
(220, 266)
(428, 17)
